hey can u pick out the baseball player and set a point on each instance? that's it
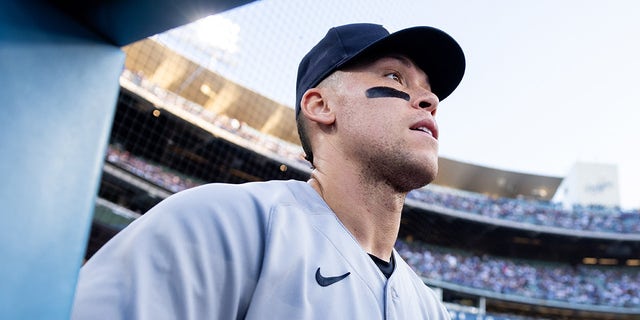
(321, 249)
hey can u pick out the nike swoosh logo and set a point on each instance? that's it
(327, 281)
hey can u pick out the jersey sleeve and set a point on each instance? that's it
(195, 255)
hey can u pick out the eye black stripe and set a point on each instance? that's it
(386, 92)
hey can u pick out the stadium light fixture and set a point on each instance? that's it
(633, 262)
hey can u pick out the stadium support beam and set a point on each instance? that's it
(125, 21)
(59, 85)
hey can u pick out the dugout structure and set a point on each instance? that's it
(60, 63)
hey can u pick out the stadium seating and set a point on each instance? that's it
(591, 285)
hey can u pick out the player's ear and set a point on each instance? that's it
(314, 106)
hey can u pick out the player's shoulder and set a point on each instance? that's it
(229, 206)
(252, 196)
(229, 192)
(217, 206)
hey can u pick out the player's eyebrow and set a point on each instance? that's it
(406, 62)
(402, 59)
(399, 58)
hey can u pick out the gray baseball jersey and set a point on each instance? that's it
(266, 250)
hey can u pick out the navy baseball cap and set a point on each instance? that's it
(431, 49)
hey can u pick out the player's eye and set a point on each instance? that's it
(394, 76)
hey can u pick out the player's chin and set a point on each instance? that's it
(414, 182)
(428, 152)
(429, 162)
(422, 173)
(429, 169)
(429, 174)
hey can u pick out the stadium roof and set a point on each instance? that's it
(120, 23)
(495, 182)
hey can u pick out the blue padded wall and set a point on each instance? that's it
(59, 84)
(60, 61)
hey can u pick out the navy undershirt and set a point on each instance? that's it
(385, 267)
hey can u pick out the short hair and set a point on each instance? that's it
(304, 138)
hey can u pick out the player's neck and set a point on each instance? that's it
(370, 212)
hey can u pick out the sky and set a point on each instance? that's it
(547, 84)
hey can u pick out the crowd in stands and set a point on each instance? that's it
(156, 174)
(586, 218)
(614, 287)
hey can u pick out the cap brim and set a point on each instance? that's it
(431, 49)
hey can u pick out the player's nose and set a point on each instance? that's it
(427, 100)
